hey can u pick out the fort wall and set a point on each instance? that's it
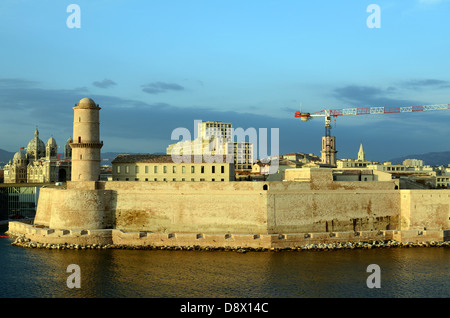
(425, 209)
(253, 214)
(210, 207)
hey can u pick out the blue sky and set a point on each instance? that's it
(154, 66)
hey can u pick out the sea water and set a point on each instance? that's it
(116, 273)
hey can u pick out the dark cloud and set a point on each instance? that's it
(24, 105)
(426, 83)
(16, 82)
(130, 125)
(160, 87)
(106, 83)
(361, 96)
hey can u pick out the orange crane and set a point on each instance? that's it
(329, 113)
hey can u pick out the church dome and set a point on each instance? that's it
(36, 147)
(51, 142)
(86, 103)
(20, 155)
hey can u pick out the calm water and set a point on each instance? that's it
(413, 272)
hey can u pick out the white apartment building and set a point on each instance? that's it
(216, 138)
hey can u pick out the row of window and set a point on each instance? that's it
(165, 169)
(173, 179)
(393, 168)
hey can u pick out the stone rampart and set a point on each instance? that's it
(209, 207)
(425, 209)
(74, 208)
(43, 234)
(120, 238)
(254, 214)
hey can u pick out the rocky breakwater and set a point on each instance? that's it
(371, 244)
(22, 241)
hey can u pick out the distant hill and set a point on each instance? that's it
(5, 156)
(431, 158)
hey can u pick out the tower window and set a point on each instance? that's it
(79, 139)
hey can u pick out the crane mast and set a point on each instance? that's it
(328, 141)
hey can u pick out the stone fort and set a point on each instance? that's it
(311, 206)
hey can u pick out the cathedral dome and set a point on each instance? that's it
(36, 147)
(51, 142)
(20, 155)
(86, 103)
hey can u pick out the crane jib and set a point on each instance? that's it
(379, 110)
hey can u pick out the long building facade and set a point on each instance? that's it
(164, 168)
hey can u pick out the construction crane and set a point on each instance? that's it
(329, 113)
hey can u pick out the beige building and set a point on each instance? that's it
(361, 162)
(301, 157)
(412, 173)
(443, 181)
(209, 129)
(413, 163)
(216, 138)
(163, 168)
(39, 163)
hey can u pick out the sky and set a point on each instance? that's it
(154, 66)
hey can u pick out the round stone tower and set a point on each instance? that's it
(86, 142)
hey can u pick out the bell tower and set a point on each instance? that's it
(86, 142)
(329, 150)
(361, 154)
(328, 145)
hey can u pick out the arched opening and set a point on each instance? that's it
(62, 175)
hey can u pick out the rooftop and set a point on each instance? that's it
(147, 158)
(87, 103)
